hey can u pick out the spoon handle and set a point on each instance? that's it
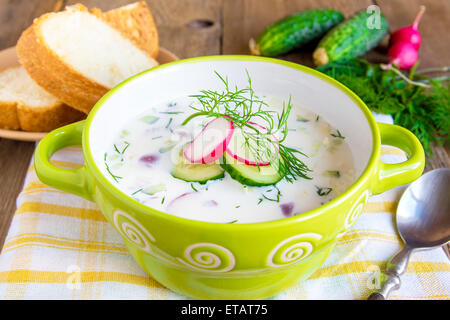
(390, 279)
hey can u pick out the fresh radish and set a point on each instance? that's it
(211, 142)
(405, 44)
(410, 33)
(238, 150)
(403, 54)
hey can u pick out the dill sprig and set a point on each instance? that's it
(423, 110)
(244, 108)
(115, 177)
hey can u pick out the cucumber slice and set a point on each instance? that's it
(193, 172)
(251, 175)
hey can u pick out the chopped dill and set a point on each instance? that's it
(116, 178)
(337, 135)
(237, 206)
(425, 111)
(234, 221)
(332, 173)
(158, 137)
(137, 191)
(260, 200)
(301, 119)
(270, 199)
(323, 191)
(124, 149)
(277, 197)
(168, 124)
(162, 200)
(317, 118)
(193, 188)
(172, 112)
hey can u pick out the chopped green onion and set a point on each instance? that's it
(151, 190)
(167, 148)
(168, 124)
(149, 119)
(301, 119)
(331, 173)
(172, 112)
(338, 135)
(323, 191)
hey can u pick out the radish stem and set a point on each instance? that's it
(401, 75)
(418, 17)
(430, 70)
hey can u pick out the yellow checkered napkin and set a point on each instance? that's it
(60, 246)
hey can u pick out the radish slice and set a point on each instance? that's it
(238, 150)
(211, 142)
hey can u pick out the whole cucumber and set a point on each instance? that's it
(294, 31)
(350, 39)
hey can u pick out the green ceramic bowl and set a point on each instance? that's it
(229, 261)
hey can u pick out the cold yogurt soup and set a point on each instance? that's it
(230, 157)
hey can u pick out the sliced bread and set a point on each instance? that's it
(78, 57)
(135, 22)
(24, 105)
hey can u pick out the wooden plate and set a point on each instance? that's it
(8, 58)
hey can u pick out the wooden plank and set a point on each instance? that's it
(433, 27)
(188, 28)
(243, 20)
(17, 15)
(14, 159)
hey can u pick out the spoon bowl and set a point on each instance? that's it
(423, 221)
(423, 213)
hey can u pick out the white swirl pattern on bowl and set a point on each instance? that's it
(357, 209)
(210, 257)
(207, 260)
(133, 231)
(282, 256)
(354, 212)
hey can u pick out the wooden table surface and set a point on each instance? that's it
(192, 28)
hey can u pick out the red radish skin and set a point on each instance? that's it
(178, 198)
(403, 54)
(149, 159)
(287, 208)
(410, 33)
(210, 144)
(246, 161)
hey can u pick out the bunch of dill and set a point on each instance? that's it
(423, 109)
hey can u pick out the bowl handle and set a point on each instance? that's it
(70, 180)
(392, 175)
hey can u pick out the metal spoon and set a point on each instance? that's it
(423, 221)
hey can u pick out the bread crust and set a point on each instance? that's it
(53, 74)
(8, 115)
(134, 22)
(45, 119)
